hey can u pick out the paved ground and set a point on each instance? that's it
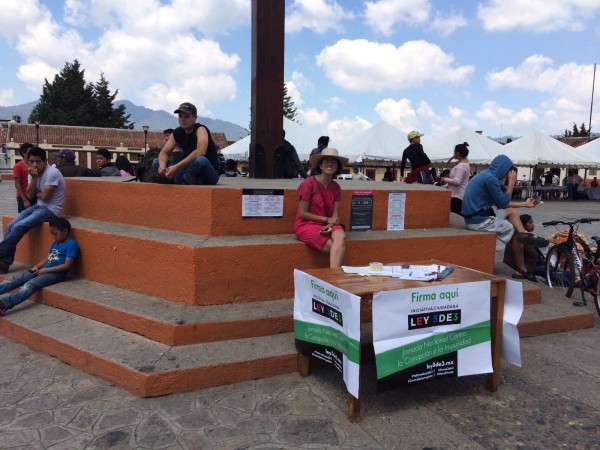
(553, 401)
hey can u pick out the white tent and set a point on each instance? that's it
(381, 141)
(590, 150)
(481, 149)
(304, 141)
(540, 149)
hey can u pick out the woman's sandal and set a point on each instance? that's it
(523, 275)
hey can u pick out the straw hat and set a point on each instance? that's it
(328, 152)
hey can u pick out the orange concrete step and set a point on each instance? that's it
(142, 366)
(167, 322)
(217, 210)
(196, 270)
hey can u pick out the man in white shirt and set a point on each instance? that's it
(47, 184)
(356, 175)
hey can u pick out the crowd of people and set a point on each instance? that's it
(190, 156)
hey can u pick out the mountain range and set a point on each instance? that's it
(140, 115)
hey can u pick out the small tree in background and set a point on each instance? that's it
(289, 110)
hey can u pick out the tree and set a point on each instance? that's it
(107, 116)
(582, 131)
(69, 100)
(288, 105)
(575, 130)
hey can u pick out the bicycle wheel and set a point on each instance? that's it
(596, 291)
(560, 269)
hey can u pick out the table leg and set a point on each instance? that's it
(303, 365)
(353, 408)
(497, 317)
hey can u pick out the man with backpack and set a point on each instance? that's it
(287, 163)
(199, 163)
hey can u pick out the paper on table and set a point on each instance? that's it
(412, 272)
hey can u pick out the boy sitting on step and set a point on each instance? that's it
(54, 269)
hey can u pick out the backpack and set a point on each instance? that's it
(144, 169)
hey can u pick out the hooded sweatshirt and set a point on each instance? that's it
(484, 191)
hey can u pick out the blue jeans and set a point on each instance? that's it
(201, 167)
(15, 230)
(29, 284)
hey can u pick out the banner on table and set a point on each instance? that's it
(424, 333)
(327, 325)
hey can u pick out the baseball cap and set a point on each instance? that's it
(414, 134)
(187, 108)
(66, 154)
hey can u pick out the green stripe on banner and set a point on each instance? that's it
(329, 337)
(397, 359)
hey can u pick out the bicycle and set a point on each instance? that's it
(567, 265)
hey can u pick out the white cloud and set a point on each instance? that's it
(312, 117)
(399, 113)
(16, 14)
(448, 25)
(342, 130)
(319, 16)
(537, 15)
(361, 65)
(6, 97)
(383, 15)
(297, 84)
(538, 73)
(492, 113)
(160, 19)
(74, 12)
(335, 101)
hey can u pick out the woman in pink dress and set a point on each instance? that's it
(459, 177)
(317, 220)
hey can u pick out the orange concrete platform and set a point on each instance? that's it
(209, 271)
(217, 210)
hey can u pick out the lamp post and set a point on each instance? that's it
(37, 133)
(145, 128)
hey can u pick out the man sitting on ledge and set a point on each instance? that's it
(200, 163)
(483, 192)
(47, 185)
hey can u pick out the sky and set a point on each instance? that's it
(505, 67)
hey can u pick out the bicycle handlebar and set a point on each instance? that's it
(570, 222)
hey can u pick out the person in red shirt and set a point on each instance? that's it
(20, 174)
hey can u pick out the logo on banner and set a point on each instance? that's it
(327, 311)
(433, 319)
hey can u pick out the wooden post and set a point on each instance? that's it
(266, 122)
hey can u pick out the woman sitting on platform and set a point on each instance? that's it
(317, 220)
(459, 177)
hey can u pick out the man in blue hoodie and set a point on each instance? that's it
(483, 192)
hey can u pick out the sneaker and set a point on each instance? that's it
(159, 179)
(190, 179)
(530, 238)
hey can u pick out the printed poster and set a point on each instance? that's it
(396, 211)
(361, 211)
(424, 333)
(262, 202)
(327, 326)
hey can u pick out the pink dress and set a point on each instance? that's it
(320, 202)
(458, 179)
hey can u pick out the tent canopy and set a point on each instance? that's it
(304, 141)
(381, 141)
(591, 150)
(481, 149)
(538, 148)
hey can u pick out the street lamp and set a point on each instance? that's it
(37, 133)
(145, 128)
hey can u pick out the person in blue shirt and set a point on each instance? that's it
(52, 270)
